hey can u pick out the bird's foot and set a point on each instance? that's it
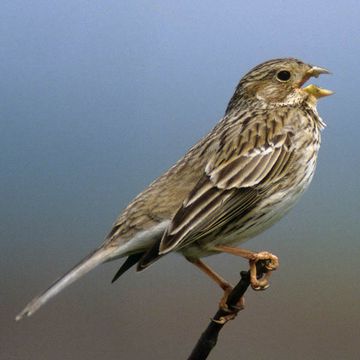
(223, 302)
(270, 263)
(230, 312)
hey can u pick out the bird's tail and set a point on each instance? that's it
(94, 259)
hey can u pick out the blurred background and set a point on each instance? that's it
(98, 98)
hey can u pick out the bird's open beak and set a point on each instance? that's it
(314, 90)
(315, 71)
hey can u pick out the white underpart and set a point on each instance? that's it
(143, 240)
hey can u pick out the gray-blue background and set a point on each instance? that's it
(97, 98)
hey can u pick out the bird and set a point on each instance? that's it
(236, 182)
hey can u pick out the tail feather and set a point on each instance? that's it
(90, 262)
(150, 256)
(130, 261)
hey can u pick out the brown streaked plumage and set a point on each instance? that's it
(234, 183)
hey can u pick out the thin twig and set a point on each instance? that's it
(209, 337)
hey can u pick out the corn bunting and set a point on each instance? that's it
(233, 184)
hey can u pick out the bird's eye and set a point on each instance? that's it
(283, 75)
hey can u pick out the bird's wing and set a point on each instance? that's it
(243, 165)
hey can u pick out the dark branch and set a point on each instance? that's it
(209, 337)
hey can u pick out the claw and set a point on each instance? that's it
(231, 312)
(240, 305)
(223, 302)
(224, 319)
(271, 264)
(260, 288)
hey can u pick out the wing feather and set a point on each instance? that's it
(231, 184)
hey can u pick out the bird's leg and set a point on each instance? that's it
(225, 285)
(272, 263)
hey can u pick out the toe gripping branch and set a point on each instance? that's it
(269, 263)
(259, 271)
(209, 337)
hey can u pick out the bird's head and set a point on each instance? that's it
(279, 81)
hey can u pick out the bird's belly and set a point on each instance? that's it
(268, 211)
